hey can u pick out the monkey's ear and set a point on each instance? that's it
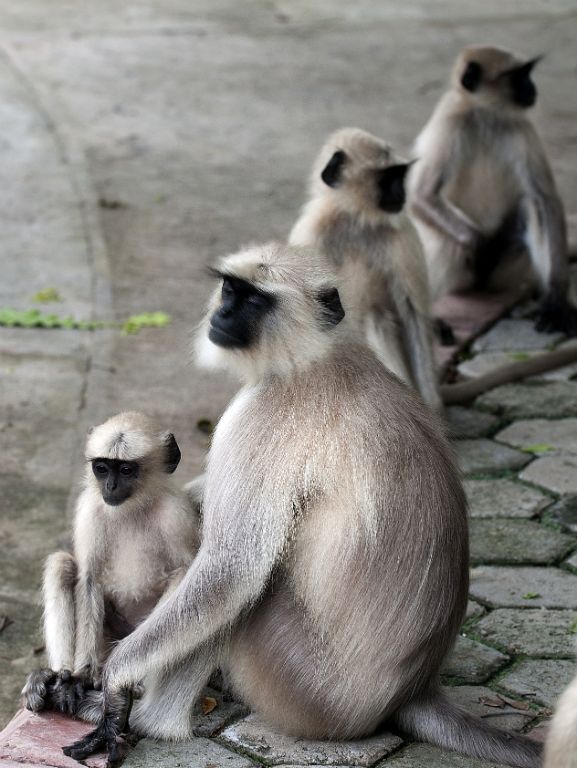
(392, 187)
(172, 453)
(471, 77)
(331, 174)
(330, 302)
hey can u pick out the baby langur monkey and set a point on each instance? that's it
(355, 216)
(135, 535)
(482, 192)
(332, 576)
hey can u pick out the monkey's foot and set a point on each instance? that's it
(557, 315)
(67, 693)
(108, 734)
(444, 332)
(34, 693)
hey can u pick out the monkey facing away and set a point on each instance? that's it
(482, 192)
(135, 535)
(332, 574)
(355, 216)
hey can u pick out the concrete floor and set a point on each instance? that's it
(141, 140)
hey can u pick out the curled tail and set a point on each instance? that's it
(436, 720)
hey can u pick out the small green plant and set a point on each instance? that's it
(537, 448)
(531, 595)
(34, 318)
(46, 296)
(145, 320)
(519, 357)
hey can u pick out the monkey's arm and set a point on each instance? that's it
(546, 240)
(89, 623)
(417, 331)
(428, 203)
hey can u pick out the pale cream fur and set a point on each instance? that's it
(382, 272)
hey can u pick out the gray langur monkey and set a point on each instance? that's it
(561, 744)
(355, 216)
(135, 535)
(482, 192)
(332, 576)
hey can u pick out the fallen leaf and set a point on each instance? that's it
(207, 704)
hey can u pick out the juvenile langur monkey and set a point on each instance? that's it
(355, 216)
(135, 535)
(561, 745)
(332, 575)
(482, 193)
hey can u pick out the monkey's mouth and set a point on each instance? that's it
(225, 339)
(116, 501)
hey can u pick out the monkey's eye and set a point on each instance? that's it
(258, 300)
(99, 468)
(126, 469)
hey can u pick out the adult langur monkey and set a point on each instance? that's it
(482, 193)
(135, 535)
(355, 216)
(561, 746)
(332, 576)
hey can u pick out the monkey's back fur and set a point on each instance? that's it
(359, 613)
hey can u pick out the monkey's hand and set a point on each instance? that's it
(35, 692)
(107, 735)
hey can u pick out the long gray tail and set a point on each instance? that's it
(436, 720)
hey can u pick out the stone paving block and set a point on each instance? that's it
(510, 334)
(553, 400)
(540, 680)
(468, 423)
(474, 699)
(517, 542)
(257, 739)
(538, 632)
(473, 662)
(425, 756)
(194, 753)
(572, 561)
(39, 737)
(474, 610)
(564, 512)
(542, 435)
(485, 456)
(485, 362)
(516, 587)
(223, 714)
(504, 498)
(555, 473)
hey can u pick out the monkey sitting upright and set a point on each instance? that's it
(332, 576)
(355, 216)
(482, 193)
(135, 535)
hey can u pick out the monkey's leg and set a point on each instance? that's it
(59, 633)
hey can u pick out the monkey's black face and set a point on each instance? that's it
(523, 90)
(117, 479)
(236, 324)
(391, 188)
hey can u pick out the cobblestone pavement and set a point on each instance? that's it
(142, 140)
